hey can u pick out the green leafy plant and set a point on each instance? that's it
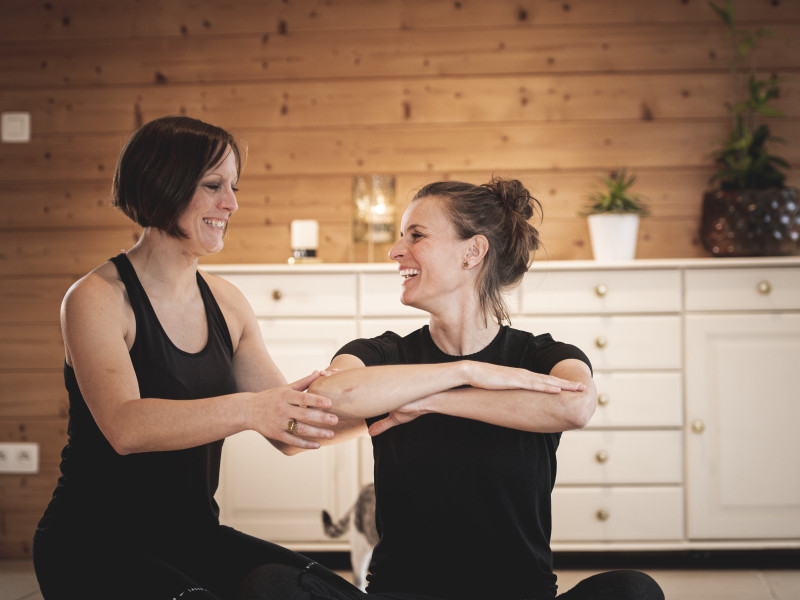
(742, 160)
(616, 197)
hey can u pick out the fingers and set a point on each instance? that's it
(308, 400)
(309, 432)
(378, 427)
(307, 425)
(301, 385)
(564, 384)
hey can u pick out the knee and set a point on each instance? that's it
(635, 585)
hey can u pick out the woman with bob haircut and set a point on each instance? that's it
(466, 414)
(162, 363)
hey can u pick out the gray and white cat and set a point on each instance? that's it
(359, 521)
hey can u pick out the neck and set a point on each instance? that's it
(462, 335)
(161, 264)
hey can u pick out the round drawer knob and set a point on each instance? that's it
(277, 295)
(603, 515)
(603, 399)
(601, 289)
(698, 426)
(601, 457)
(601, 341)
(764, 288)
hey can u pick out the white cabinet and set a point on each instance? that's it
(693, 442)
(743, 404)
(621, 478)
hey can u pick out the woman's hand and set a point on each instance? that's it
(496, 377)
(274, 410)
(401, 416)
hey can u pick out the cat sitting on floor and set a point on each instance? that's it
(360, 522)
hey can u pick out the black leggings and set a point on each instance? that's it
(208, 567)
(226, 564)
(312, 582)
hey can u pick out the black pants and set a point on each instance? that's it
(71, 565)
(225, 564)
(281, 582)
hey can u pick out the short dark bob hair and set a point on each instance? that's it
(160, 166)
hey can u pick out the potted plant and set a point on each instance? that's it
(613, 215)
(751, 212)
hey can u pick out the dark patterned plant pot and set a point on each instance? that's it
(751, 223)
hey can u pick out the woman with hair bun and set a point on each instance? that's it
(469, 417)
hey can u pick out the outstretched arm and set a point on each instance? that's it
(358, 392)
(98, 331)
(527, 410)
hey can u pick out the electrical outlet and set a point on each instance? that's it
(19, 457)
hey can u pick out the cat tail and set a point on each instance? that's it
(334, 530)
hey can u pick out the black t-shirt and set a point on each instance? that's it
(463, 507)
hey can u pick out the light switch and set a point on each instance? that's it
(16, 127)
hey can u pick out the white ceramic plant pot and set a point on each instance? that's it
(613, 236)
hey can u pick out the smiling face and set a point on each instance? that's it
(206, 218)
(430, 258)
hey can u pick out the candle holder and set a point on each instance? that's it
(373, 210)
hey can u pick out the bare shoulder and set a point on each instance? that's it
(99, 289)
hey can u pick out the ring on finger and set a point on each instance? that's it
(292, 426)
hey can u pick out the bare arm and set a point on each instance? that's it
(359, 392)
(96, 330)
(526, 410)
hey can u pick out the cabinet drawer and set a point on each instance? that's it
(743, 289)
(616, 342)
(638, 400)
(617, 514)
(595, 457)
(317, 294)
(604, 291)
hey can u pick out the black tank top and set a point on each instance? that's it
(152, 494)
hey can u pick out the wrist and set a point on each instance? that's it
(245, 410)
(466, 372)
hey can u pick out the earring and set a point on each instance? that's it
(465, 264)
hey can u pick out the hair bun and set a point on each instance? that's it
(513, 196)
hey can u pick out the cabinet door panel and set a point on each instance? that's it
(743, 409)
(280, 498)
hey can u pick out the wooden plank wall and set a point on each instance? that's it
(556, 93)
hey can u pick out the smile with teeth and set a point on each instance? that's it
(408, 273)
(215, 223)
